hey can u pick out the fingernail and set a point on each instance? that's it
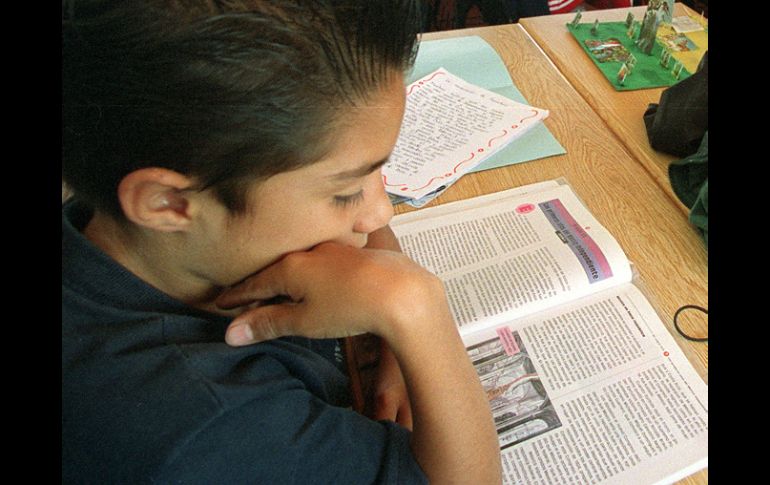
(240, 335)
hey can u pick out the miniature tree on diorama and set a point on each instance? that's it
(649, 31)
(576, 20)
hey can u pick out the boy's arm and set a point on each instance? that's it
(390, 396)
(338, 291)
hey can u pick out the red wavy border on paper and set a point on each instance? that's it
(466, 160)
(420, 83)
(385, 181)
(489, 143)
(429, 182)
(534, 114)
(434, 75)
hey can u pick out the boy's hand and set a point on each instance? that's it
(332, 291)
(391, 400)
(336, 291)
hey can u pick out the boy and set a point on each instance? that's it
(229, 224)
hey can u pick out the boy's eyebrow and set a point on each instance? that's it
(360, 172)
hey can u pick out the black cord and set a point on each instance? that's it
(676, 324)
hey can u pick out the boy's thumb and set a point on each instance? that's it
(259, 324)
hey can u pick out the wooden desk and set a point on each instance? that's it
(655, 234)
(622, 111)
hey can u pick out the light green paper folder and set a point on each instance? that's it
(475, 61)
(470, 58)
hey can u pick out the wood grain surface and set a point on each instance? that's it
(666, 251)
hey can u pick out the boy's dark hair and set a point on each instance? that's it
(225, 91)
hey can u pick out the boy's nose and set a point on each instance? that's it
(376, 211)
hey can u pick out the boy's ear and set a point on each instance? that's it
(155, 198)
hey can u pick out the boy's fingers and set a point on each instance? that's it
(390, 406)
(260, 324)
(385, 407)
(405, 416)
(264, 285)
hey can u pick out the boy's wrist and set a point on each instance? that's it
(422, 313)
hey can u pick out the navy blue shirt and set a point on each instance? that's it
(152, 394)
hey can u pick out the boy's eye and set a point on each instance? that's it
(348, 200)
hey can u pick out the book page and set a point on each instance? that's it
(513, 254)
(449, 127)
(594, 391)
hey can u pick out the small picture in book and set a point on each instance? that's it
(678, 42)
(607, 50)
(520, 405)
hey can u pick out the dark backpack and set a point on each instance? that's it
(679, 125)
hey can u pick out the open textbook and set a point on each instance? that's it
(585, 382)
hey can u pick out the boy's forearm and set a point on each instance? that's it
(384, 293)
(454, 438)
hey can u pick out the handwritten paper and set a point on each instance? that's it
(449, 127)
